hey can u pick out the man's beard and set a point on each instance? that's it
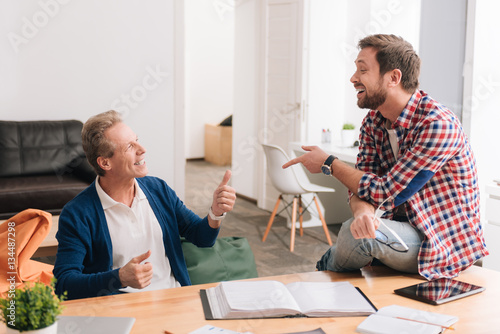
(374, 101)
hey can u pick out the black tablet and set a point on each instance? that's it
(439, 291)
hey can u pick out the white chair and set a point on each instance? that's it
(287, 182)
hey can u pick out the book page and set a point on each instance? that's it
(318, 298)
(218, 305)
(397, 311)
(379, 324)
(399, 319)
(269, 298)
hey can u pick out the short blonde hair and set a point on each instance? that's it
(95, 144)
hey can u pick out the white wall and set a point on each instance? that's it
(73, 59)
(209, 46)
(246, 101)
(327, 30)
(484, 114)
(335, 29)
(446, 65)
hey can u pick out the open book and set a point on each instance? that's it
(271, 299)
(399, 319)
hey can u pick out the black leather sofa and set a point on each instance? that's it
(42, 165)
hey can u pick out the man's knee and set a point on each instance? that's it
(348, 244)
(345, 231)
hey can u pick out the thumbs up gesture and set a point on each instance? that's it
(135, 274)
(224, 196)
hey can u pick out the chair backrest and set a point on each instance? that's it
(284, 180)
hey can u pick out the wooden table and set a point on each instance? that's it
(179, 310)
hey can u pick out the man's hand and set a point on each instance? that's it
(135, 274)
(312, 160)
(224, 196)
(364, 226)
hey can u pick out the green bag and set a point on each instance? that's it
(229, 259)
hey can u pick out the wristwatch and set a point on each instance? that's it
(214, 217)
(327, 165)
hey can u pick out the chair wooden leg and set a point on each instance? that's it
(323, 221)
(271, 220)
(301, 218)
(294, 219)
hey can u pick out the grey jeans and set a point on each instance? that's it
(350, 254)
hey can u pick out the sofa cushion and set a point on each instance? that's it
(40, 147)
(46, 192)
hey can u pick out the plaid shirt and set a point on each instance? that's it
(434, 178)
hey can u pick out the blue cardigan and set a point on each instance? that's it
(84, 259)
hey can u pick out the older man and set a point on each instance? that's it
(122, 232)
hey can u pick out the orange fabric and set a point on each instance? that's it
(27, 229)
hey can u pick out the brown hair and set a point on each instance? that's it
(394, 52)
(95, 144)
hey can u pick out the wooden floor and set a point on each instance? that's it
(273, 256)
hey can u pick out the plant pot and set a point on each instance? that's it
(348, 137)
(52, 329)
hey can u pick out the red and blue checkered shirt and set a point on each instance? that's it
(433, 179)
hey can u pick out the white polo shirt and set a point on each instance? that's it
(135, 230)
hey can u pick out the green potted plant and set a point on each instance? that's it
(348, 135)
(33, 309)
